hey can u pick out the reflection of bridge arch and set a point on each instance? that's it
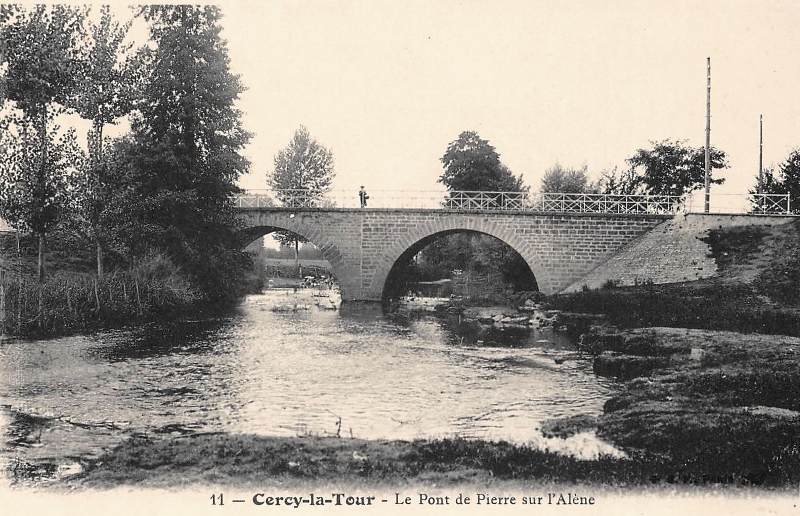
(400, 252)
(362, 245)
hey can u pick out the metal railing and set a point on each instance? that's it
(745, 204)
(771, 204)
(465, 201)
(754, 204)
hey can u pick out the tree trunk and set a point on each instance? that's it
(40, 263)
(99, 260)
(41, 180)
(297, 256)
(2, 302)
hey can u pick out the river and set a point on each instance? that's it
(350, 372)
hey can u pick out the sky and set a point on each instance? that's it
(387, 85)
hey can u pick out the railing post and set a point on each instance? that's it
(788, 204)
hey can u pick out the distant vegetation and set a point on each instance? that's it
(785, 181)
(304, 167)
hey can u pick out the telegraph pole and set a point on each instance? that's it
(708, 136)
(760, 154)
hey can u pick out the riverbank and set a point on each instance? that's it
(74, 302)
(709, 370)
(725, 405)
(247, 460)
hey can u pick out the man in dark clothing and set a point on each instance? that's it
(362, 196)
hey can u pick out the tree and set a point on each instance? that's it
(618, 182)
(39, 54)
(35, 202)
(558, 179)
(472, 164)
(183, 158)
(106, 91)
(674, 168)
(790, 178)
(304, 165)
(785, 181)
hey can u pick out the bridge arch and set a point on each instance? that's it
(314, 234)
(406, 247)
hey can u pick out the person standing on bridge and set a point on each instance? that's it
(362, 196)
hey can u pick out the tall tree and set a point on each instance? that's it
(303, 168)
(39, 54)
(107, 89)
(674, 168)
(35, 202)
(472, 163)
(185, 154)
(560, 179)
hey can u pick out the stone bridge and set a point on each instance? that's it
(364, 245)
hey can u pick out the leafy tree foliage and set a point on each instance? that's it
(183, 159)
(674, 168)
(785, 181)
(40, 58)
(559, 179)
(618, 182)
(472, 163)
(107, 90)
(35, 202)
(304, 164)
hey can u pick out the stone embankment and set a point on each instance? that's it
(674, 251)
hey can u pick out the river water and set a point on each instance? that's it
(354, 371)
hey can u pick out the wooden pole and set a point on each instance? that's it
(708, 136)
(760, 160)
(760, 153)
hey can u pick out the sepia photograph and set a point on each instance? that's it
(418, 257)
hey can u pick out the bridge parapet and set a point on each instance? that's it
(481, 201)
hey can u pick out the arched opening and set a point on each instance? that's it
(462, 263)
(284, 259)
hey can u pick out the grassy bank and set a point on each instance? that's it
(723, 404)
(705, 305)
(757, 288)
(70, 302)
(231, 459)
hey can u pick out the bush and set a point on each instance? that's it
(70, 302)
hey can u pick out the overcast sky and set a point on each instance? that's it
(386, 85)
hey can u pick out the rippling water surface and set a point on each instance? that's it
(355, 371)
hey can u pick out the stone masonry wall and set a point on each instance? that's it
(363, 245)
(672, 252)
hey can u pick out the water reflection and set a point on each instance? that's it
(288, 373)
